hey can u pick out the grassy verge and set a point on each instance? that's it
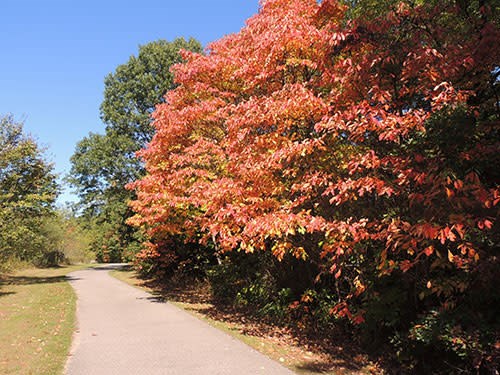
(279, 343)
(37, 320)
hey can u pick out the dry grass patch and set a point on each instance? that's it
(37, 320)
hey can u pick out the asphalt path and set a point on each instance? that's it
(123, 330)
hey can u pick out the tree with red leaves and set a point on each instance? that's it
(366, 148)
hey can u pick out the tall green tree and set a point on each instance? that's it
(28, 190)
(104, 163)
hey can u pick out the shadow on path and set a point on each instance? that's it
(154, 299)
(332, 354)
(112, 267)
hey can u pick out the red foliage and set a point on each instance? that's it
(310, 134)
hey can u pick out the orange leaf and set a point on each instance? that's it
(429, 250)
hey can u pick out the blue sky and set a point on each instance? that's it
(56, 53)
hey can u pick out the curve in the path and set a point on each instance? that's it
(123, 330)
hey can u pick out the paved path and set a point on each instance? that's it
(122, 330)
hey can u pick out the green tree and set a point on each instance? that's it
(104, 163)
(28, 191)
(135, 88)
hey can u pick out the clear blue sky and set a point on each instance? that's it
(56, 53)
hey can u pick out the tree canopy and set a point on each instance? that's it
(136, 87)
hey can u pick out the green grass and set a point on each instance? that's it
(37, 320)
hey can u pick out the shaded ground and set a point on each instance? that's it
(30, 280)
(304, 353)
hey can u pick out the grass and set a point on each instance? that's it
(37, 320)
(278, 343)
